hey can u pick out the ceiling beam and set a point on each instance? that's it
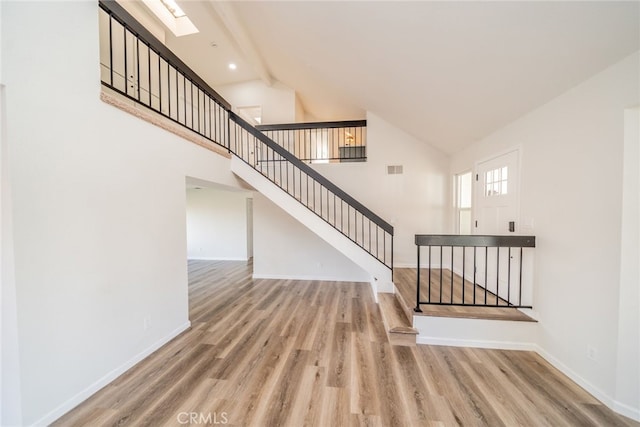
(239, 35)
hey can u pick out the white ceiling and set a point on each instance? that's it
(448, 73)
(210, 63)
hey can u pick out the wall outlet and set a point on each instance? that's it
(592, 353)
(146, 323)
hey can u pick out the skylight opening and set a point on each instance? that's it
(172, 16)
(173, 7)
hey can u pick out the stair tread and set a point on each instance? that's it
(393, 315)
(403, 330)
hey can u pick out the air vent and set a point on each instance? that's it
(394, 170)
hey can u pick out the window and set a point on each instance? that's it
(495, 182)
(463, 202)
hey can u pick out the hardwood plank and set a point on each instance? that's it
(392, 410)
(307, 404)
(309, 353)
(339, 375)
(364, 395)
(281, 402)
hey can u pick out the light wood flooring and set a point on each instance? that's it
(279, 352)
(405, 281)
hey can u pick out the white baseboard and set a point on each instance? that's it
(501, 345)
(96, 386)
(627, 411)
(305, 278)
(422, 265)
(218, 259)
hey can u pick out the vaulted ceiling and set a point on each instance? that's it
(448, 73)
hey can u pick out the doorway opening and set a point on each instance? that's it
(219, 230)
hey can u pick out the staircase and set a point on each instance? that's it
(320, 205)
(141, 70)
(137, 66)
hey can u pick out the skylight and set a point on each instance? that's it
(172, 16)
(173, 7)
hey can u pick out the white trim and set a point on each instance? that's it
(109, 377)
(305, 278)
(217, 259)
(425, 265)
(626, 410)
(618, 407)
(508, 150)
(501, 345)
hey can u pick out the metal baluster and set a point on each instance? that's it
(159, 85)
(429, 300)
(126, 68)
(384, 242)
(520, 284)
(464, 253)
(177, 97)
(417, 309)
(497, 275)
(474, 274)
(486, 268)
(509, 277)
(440, 273)
(451, 274)
(138, 66)
(184, 97)
(111, 51)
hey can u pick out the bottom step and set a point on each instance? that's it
(480, 333)
(397, 325)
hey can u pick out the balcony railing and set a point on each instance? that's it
(462, 270)
(322, 142)
(139, 67)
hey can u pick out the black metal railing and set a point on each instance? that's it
(138, 66)
(317, 193)
(135, 64)
(322, 142)
(466, 270)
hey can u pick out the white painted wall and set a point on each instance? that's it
(217, 224)
(571, 191)
(99, 212)
(278, 101)
(300, 113)
(10, 390)
(284, 248)
(416, 202)
(628, 369)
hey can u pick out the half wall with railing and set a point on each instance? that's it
(136, 65)
(472, 270)
(322, 142)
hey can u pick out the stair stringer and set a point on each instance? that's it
(381, 278)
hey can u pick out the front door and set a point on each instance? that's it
(496, 193)
(496, 213)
